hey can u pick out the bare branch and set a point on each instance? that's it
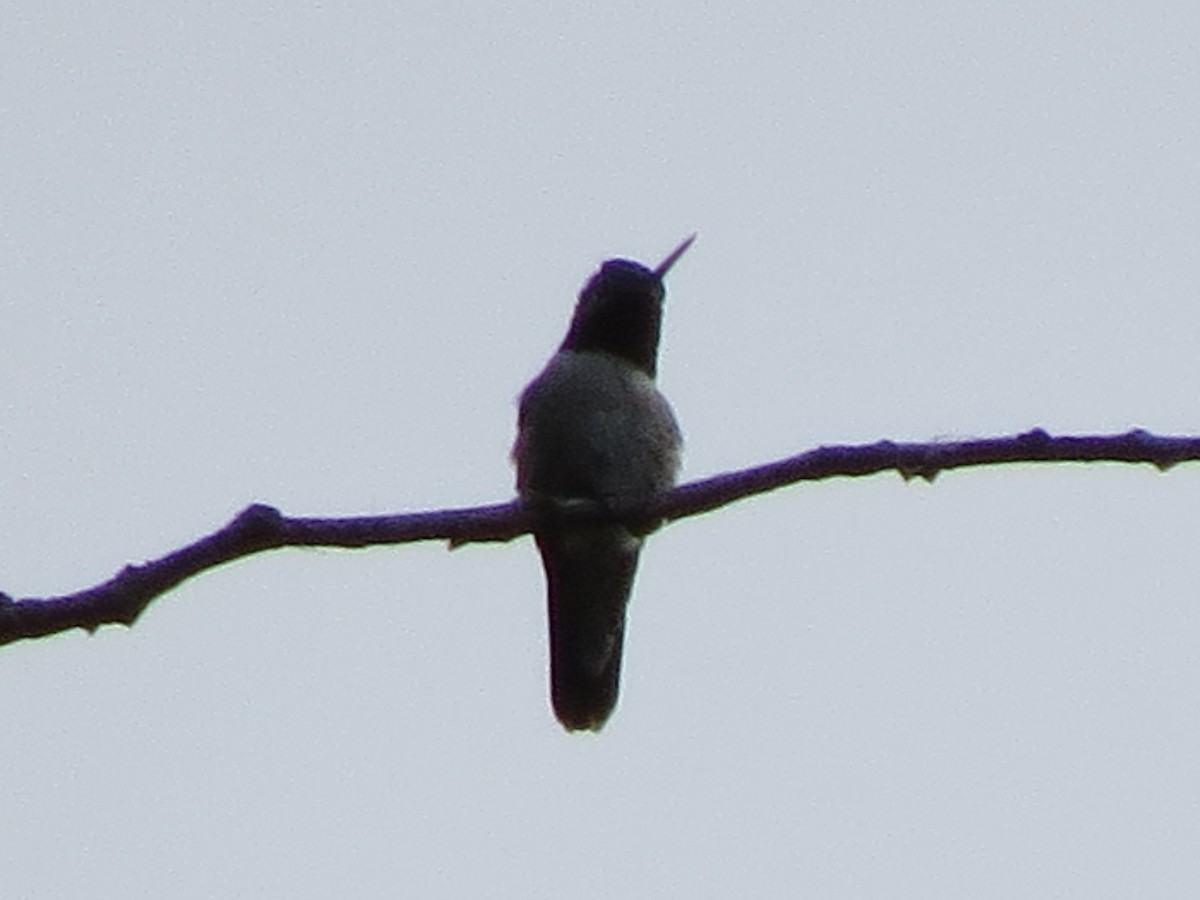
(924, 461)
(124, 597)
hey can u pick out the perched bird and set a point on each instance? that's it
(593, 427)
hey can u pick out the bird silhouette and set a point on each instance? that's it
(594, 427)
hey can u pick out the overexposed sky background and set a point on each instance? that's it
(309, 254)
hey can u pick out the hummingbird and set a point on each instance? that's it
(593, 427)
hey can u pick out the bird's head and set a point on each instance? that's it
(620, 311)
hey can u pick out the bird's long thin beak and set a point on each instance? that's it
(665, 266)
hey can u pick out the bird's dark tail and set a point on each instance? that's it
(589, 575)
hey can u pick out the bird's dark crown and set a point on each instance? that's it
(620, 312)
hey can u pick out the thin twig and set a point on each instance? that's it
(124, 597)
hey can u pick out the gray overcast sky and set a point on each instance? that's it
(309, 254)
